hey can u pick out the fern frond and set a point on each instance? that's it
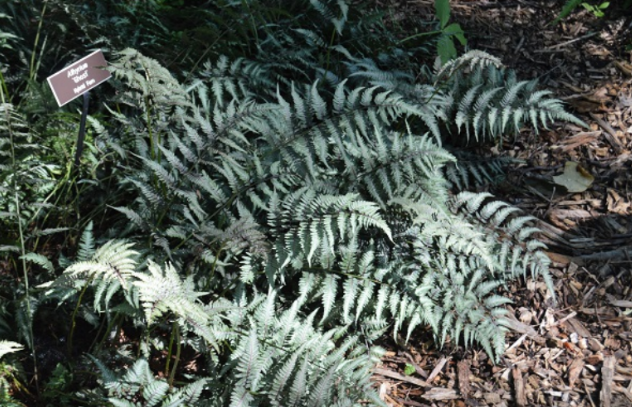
(489, 103)
(9, 347)
(112, 261)
(473, 171)
(163, 291)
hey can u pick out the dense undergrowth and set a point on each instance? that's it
(266, 191)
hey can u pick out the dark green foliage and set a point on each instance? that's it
(569, 6)
(597, 8)
(22, 176)
(445, 44)
(471, 171)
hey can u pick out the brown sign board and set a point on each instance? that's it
(78, 78)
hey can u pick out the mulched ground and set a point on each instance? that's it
(578, 352)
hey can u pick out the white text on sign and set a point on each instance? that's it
(79, 77)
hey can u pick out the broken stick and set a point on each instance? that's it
(607, 376)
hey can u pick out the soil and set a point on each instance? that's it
(577, 352)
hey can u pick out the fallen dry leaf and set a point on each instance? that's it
(574, 178)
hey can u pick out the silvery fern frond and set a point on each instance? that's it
(138, 382)
(9, 347)
(488, 103)
(114, 261)
(162, 290)
(109, 269)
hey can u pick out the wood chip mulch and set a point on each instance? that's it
(577, 351)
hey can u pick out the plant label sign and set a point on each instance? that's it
(78, 78)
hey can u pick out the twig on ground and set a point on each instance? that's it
(565, 43)
(610, 134)
(521, 398)
(437, 369)
(463, 372)
(401, 377)
(607, 375)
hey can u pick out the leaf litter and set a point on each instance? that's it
(576, 351)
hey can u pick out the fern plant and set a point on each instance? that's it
(472, 171)
(24, 183)
(278, 211)
(138, 382)
(22, 176)
(475, 99)
(318, 200)
(276, 354)
(490, 103)
(10, 374)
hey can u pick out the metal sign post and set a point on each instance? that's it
(78, 79)
(82, 127)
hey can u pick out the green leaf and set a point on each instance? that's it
(568, 7)
(40, 260)
(446, 48)
(455, 30)
(409, 369)
(442, 11)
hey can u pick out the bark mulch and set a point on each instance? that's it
(577, 352)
